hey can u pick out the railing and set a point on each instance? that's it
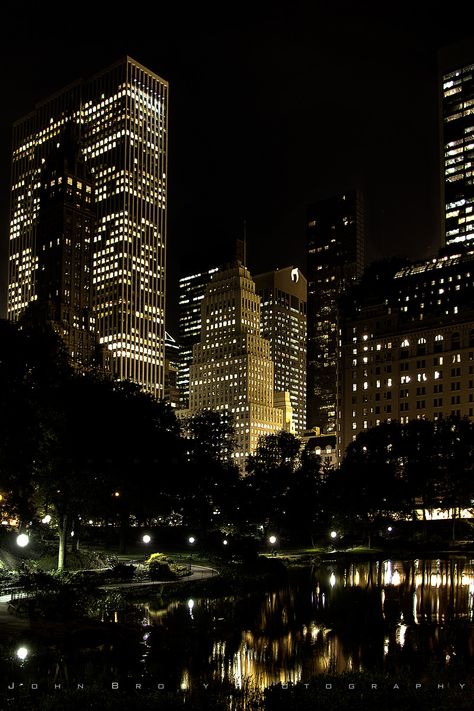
(21, 601)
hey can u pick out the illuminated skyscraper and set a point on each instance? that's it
(120, 116)
(457, 113)
(336, 245)
(283, 311)
(232, 370)
(191, 293)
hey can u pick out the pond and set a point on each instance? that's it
(387, 615)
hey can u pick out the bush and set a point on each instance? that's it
(122, 571)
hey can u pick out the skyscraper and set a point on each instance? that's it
(232, 370)
(283, 314)
(120, 116)
(191, 293)
(335, 248)
(457, 116)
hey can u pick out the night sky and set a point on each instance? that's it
(270, 110)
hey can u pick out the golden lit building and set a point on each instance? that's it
(406, 348)
(120, 115)
(232, 369)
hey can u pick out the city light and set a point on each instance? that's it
(272, 540)
(146, 538)
(191, 540)
(333, 534)
(225, 542)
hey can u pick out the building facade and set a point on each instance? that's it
(232, 370)
(191, 293)
(65, 230)
(283, 295)
(335, 254)
(121, 118)
(457, 151)
(407, 347)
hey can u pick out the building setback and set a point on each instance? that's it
(407, 346)
(283, 295)
(335, 253)
(232, 370)
(120, 115)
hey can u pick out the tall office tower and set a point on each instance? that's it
(283, 313)
(232, 370)
(407, 345)
(120, 115)
(336, 246)
(457, 115)
(191, 293)
(65, 230)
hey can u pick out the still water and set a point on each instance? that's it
(357, 616)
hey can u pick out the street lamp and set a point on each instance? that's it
(225, 542)
(333, 534)
(272, 540)
(146, 538)
(22, 540)
(191, 540)
(46, 519)
(22, 653)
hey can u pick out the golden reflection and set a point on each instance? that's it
(293, 634)
(185, 681)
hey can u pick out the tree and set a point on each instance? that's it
(369, 485)
(209, 477)
(283, 485)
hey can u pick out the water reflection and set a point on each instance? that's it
(380, 615)
(375, 615)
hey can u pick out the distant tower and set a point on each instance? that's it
(457, 130)
(191, 293)
(121, 115)
(284, 325)
(335, 248)
(232, 370)
(171, 371)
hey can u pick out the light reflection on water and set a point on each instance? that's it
(335, 618)
(361, 616)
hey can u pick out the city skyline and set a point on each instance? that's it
(293, 65)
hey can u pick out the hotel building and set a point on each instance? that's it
(407, 346)
(120, 116)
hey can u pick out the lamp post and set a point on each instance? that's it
(191, 541)
(272, 540)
